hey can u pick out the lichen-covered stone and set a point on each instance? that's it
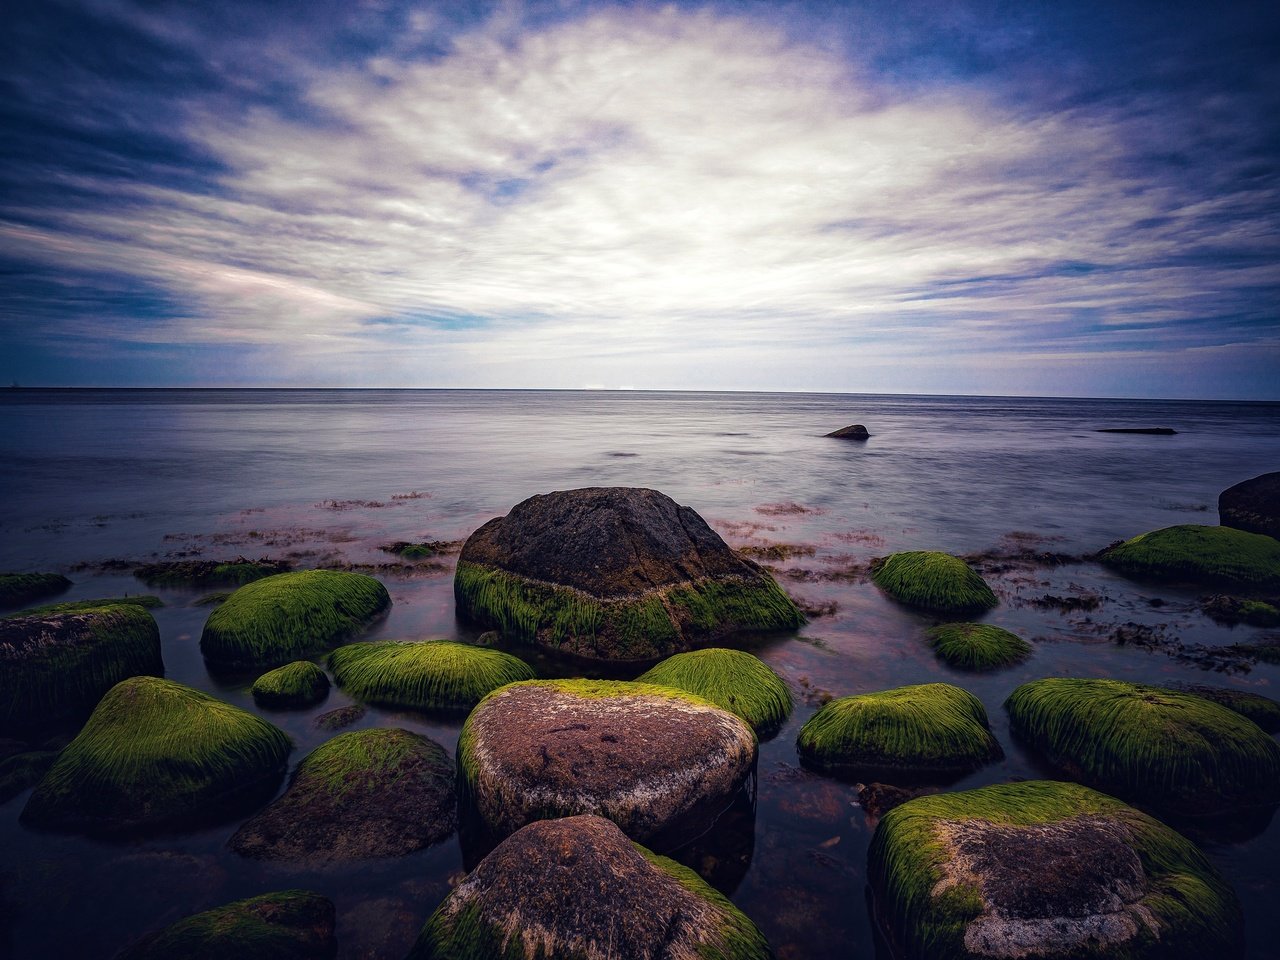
(658, 762)
(157, 753)
(57, 666)
(1051, 871)
(362, 795)
(1176, 753)
(614, 573)
(1252, 505)
(291, 925)
(577, 888)
(924, 731)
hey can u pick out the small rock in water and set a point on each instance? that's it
(854, 432)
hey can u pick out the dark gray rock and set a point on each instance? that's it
(1252, 505)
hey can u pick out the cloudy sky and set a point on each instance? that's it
(1043, 198)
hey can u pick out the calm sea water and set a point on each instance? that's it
(327, 477)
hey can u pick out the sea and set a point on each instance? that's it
(95, 482)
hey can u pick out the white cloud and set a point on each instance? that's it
(630, 194)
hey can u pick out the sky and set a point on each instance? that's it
(994, 198)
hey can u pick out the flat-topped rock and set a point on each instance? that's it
(658, 762)
(20, 588)
(577, 887)
(1252, 505)
(618, 573)
(1045, 870)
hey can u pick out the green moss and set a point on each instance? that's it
(350, 762)
(292, 925)
(291, 615)
(930, 728)
(1263, 711)
(431, 675)
(732, 680)
(23, 770)
(145, 601)
(937, 582)
(208, 573)
(213, 599)
(1200, 554)
(155, 752)
(1175, 752)
(57, 666)
(656, 624)
(19, 588)
(977, 646)
(297, 684)
(1196, 913)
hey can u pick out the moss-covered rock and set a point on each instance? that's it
(291, 925)
(362, 795)
(1263, 711)
(293, 686)
(427, 675)
(1176, 753)
(1194, 554)
(1233, 610)
(19, 588)
(732, 680)
(57, 666)
(926, 731)
(613, 573)
(157, 753)
(977, 646)
(23, 770)
(1048, 870)
(577, 888)
(1252, 505)
(289, 616)
(209, 573)
(936, 582)
(658, 762)
(146, 601)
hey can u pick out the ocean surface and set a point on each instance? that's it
(95, 481)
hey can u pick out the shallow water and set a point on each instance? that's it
(326, 477)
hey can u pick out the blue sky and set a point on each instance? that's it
(1075, 199)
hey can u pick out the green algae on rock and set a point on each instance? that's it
(426, 675)
(367, 794)
(731, 679)
(1197, 554)
(1047, 870)
(977, 646)
(23, 770)
(20, 588)
(146, 601)
(156, 753)
(209, 573)
(290, 925)
(924, 731)
(577, 888)
(1176, 753)
(937, 582)
(659, 762)
(613, 573)
(295, 685)
(289, 616)
(57, 666)
(1263, 711)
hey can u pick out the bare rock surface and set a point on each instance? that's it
(1252, 505)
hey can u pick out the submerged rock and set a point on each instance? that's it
(341, 717)
(615, 573)
(977, 646)
(209, 573)
(57, 666)
(578, 888)
(295, 685)
(23, 770)
(1232, 610)
(731, 679)
(20, 588)
(291, 925)
(362, 795)
(936, 582)
(1152, 431)
(855, 432)
(658, 762)
(1252, 505)
(1196, 554)
(155, 753)
(914, 733)
(1045, 870)
(1174, 752)
(429, 675)
(146, 601)
(289, 616)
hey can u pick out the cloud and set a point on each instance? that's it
(624, 194)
